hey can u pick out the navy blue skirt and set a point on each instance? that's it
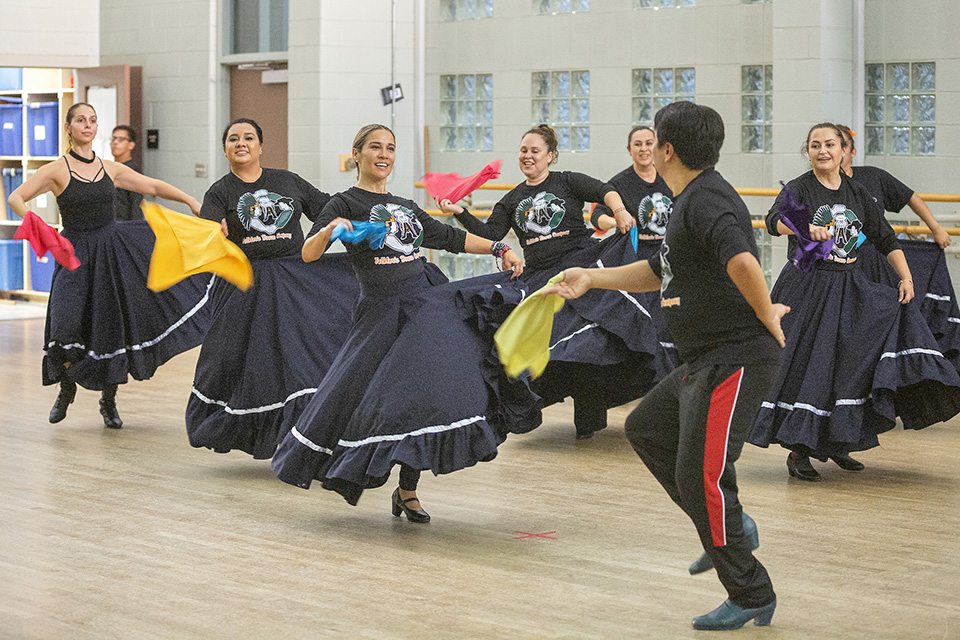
(105, 322)
(417, 382)
(855, 360)
(932, 286)
(267, 350)
(610, 346)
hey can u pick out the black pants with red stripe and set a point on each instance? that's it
(689, 431)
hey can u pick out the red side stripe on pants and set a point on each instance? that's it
(723, 401)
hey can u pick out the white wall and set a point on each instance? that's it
(49, 33)
(170, 39)
(340, 58)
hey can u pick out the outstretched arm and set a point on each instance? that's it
(747, 274)
(126, 178)
(923, 212)
(636, 277)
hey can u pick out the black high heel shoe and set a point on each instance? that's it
(68, 391)
(800, 468)
(847, 463)
(399, 506)
(108, 407)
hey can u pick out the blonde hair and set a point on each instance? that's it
(361, 138)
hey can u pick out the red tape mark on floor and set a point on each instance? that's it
(544, 535)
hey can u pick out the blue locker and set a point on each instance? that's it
(42, 128)
(11, 127)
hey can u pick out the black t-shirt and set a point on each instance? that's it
(710, 320)
(650, 203)
(849, 211)
(547, 217)
(410, 228)
(263, 217)
(126, 204)
(892, 194)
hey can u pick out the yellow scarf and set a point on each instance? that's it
(187, 245)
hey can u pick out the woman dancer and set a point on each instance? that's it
(103, 324)
(605, 350)
(928, 263)
(267, 347)
(649, 200)
(858, 355)
(415, 384)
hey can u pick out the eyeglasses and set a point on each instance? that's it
(119, 139)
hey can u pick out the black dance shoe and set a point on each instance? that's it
(730, 616)
(800, 468)
(588, 418)
(108, 407)
(847, 463)
(400, 506)
(704, 563)
(68, 391)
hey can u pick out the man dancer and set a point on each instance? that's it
(689, 430)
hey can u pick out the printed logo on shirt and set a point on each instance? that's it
(264, 211)
(540, 214)
(845, 227)
(654, 212)
(666, 275)
(405, 233)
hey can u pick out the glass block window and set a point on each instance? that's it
(653, 89)
(451, 10)
(466, 112)
(901, 108)
(662, 4)
(756, 110)
(552, 7)
(562, 100)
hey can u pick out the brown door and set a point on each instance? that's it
(116, 93)
(262, 96)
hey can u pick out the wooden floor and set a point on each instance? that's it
(134, 534)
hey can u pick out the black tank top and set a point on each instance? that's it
(86, 204)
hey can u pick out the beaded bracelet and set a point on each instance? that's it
(499, 249)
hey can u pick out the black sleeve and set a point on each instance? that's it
(713, 220)
(437, 235)
(314, 200)
(214, 206)
(896, 195)
(335, 208)
(599, 210)
(587, 188)
(878, 230)
(773, 216)
(656, 264)
(495, 228)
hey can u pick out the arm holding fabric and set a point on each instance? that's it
(50, 177)
(316, 245)
(899, 263)
(636, 277)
